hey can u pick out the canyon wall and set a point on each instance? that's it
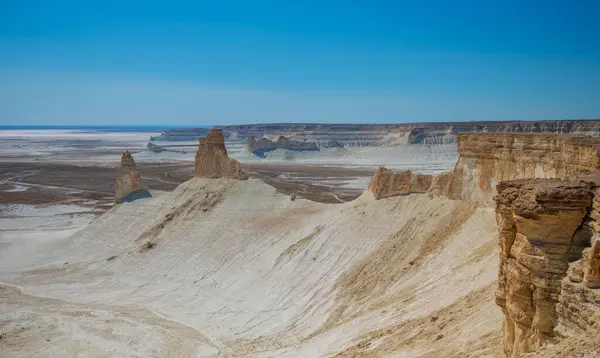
(212, 160)
(386, 183)
(548, 278)
(486, 159)
(128, 178)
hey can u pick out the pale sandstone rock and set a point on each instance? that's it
(591, 265)
(542, 225)
(386, 183)
(486, 159)
(212, 160)
(439, 184)
(128, 178)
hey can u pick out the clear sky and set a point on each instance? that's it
(218, 62)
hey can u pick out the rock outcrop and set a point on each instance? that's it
(128, 178)
(155, 148)
(486, 159)
(549, 261)
(212, 160)
(386, 183)
(264, 145)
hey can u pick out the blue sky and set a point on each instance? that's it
(219, 62)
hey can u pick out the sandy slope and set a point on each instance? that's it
(242, 271)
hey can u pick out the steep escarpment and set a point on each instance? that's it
(212, 160)
(444, 133)
(264, 145)
(547, 280)
(486, 159)
(128, 178)
(386, 183)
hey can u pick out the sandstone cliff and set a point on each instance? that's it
(212, 160)
(549, 261)
(128, 178)
(486, 159)
(386, 183)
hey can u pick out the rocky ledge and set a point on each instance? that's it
(549, 261)
(212, 160)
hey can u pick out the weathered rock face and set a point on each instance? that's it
(489, 158)
(544, 225)
(212, 160)
(128, 177)
(386, 183)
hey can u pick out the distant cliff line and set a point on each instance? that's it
(415, 133)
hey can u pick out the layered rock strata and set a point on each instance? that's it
(486, 159)
(549, 262)
(386, 183)
(212, 160)
(128, 178)
(263, 145)
(325, 134)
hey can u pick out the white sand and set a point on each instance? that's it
(238, 270)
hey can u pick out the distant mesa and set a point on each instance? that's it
(212, 160)
(128, 183)
(155, 148)
(264, 145)
(181, 134)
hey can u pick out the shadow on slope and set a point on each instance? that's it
(136, 195)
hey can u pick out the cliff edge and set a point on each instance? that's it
(548, 278)
(486, 159)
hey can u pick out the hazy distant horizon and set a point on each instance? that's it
(143, 127)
